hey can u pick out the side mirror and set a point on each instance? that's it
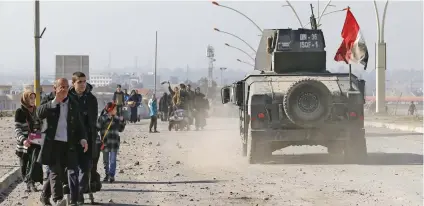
(225, 95)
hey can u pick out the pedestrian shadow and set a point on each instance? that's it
(120, 204)
(326, 159)
(371, 134)
(170, 182)
(136, 190)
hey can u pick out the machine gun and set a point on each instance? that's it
(313, 20)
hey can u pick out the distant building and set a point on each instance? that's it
(149, 81)
(66, 65)
(45, 89)
(5, 89)
(100, 80)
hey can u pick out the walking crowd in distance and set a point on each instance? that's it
(66, 134)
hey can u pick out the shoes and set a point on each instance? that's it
(156, 131)
(28, 187)
(80, 199)
(59, 202)
(74, 204)
(66, 189)
(106, 178)
(45, 200)
(111, 179)
(32, 187)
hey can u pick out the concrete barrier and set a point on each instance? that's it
(7, 113)
(10, 178)
(400, 127)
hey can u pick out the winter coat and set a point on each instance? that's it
(24, 122)
(153, 106)
(49, 113)
(112, 140)
(119, 98)
(89, 111)
(164, 103)
(200, 101)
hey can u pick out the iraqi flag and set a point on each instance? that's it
(353, 48)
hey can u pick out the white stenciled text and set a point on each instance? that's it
(305, 45)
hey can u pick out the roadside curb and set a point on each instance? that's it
(10, 178)
(393, 126)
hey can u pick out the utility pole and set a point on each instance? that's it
(380, 63)
(187, 74)
(211, 56)
(156, 59)
(37, 52)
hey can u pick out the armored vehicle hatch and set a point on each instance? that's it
(287, 50)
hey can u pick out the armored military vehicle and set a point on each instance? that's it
(293, 100)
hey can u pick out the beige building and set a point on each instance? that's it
(66, 65)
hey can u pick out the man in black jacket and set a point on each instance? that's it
(64, 135)
(81, 91)
(119, 99)
(190, 94)
(164, 106)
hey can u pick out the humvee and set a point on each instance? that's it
(295, 101)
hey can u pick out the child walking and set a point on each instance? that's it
(110, 125)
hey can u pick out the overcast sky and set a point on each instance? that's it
(127, 29)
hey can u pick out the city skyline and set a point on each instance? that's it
(101, 29)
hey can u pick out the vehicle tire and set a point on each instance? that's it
(355, 150)
(257, 150)
(170, 126)
(308, 103)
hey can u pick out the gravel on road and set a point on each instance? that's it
(206, 168)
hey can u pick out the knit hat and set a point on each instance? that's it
(110, 106)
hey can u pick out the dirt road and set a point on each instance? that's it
(206, 168)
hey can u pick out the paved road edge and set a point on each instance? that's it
(10, 178)
(405, 128)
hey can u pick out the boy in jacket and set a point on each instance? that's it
(110, 125)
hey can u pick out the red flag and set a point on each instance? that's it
(353, 48)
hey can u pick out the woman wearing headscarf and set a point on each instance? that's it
(176, 100)
(132, 102)
(27, 125)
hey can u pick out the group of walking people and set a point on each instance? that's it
(183, 97)
(65, 134)
(133, 101)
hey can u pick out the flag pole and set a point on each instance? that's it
(350, 78)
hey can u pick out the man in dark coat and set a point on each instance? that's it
(164, 106)
(81, 91)
(190, 103)
(201, 105)
(64, 134)
(119, 99)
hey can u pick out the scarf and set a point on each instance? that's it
(25, 99)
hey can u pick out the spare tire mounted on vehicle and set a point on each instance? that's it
(307, 103)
